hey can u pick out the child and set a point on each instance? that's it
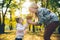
(20, 29)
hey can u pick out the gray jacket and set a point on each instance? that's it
(46, 17)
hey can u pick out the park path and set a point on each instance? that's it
(28, 36)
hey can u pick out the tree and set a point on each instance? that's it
(3, 14)
(13, 7)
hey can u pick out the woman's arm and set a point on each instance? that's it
(33, 23)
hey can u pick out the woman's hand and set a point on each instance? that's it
(31, 22)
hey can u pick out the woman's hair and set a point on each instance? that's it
(33, 5)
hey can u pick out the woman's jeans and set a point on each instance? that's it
(49, 29)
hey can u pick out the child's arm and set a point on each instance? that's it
(25, 25)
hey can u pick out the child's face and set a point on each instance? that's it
(20, 20)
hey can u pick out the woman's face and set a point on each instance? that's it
(33, 9)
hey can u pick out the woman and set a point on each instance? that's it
(49, 19)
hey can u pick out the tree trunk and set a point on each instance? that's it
(47, 3)
(3, 16)
(0, 19)
(59, 25)
(2, 26)
(29, 27)
(33, 28)
(10, 22)
(42, 2)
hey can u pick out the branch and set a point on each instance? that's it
(3, 6)
(7, 7)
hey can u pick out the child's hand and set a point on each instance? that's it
(25, 32)
(29, 21)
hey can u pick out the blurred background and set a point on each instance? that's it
(11, 9)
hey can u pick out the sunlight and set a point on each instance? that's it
(59, 2)
(27, 4)
(17, 12)
(8, 15)
(4, 9)
(1, 1)
(18, 1)
(25, 7)
(39, 4)
(24, 11)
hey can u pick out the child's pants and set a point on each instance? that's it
(50, 29)
(18, 38)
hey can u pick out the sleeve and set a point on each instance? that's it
(54, 17)
(25, 25)
(40, 21)
(40, 17)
